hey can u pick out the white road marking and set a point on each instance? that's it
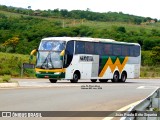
(7, 88)
(42, 84)
(147, 87)
(122, 109)
(132, 104)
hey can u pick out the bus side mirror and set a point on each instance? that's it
(31, 55)
(62, 53)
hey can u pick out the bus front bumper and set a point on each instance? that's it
(50, 75)
(55, 74)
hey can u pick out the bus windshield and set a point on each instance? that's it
(48, 56)
(52, 45)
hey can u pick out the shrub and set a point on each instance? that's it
(6, 78)
(156, 109)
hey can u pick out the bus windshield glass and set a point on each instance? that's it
(48, 56)
(52, 45)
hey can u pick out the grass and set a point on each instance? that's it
(5, 79)
(150, 71)
(10, 14)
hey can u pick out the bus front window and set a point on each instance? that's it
(48, 56)
(52, 45)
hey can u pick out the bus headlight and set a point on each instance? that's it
(38, 72)
(57, 73)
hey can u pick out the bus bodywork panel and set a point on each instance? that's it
(92, 69)
(87, 65)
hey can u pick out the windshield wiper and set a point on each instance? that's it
(47, 60)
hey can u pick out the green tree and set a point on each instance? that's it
(149, 44)
(146, 59)
(156, 55)
(138, 21)
(121, 29)
(13, 42)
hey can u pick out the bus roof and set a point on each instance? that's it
(79, 39)
(87, 39)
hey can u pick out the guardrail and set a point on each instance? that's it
(147, 109)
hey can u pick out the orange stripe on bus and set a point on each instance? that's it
(112, 66)
(54, 70)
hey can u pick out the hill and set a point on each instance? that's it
(79, 14)
(21, 29)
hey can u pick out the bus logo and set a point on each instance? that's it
(86, 58)
(112, 65)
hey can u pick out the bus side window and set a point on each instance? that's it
(79, 47)
(131, 51)
(89, 48)
(137, 51)
(125, 50)
(68, 53)
(117, 50)
(98, 48)
(108, 49)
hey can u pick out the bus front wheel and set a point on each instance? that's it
(75, 78)
(53, 80)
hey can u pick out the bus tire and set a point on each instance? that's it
(123, 76)
(115, 77)
(53, 80)
(75, 78)
(94, 80)
(103, 80)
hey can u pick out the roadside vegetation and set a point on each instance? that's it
(22, 29)
(5, 79)
(150, 72)
(21, 33)
(11, 64)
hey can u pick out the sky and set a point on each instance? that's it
(145, 8)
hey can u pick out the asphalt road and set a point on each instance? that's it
(41, 95)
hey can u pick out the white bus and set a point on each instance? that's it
(75, 58)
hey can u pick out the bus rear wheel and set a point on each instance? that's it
(53, 80)
(115, 77)
(123, 77)
(94, 80)
(75, 78)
